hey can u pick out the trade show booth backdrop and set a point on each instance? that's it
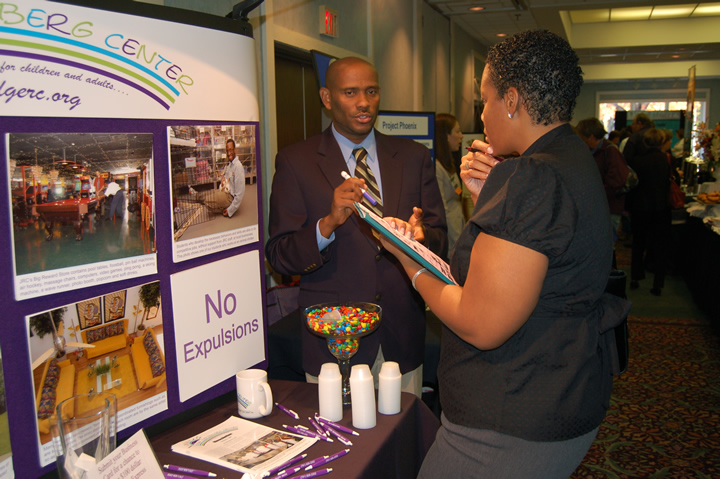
(150, 94)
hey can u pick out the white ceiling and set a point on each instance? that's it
(655, 49)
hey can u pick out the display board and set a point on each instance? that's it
(418, 126)
(132, 194)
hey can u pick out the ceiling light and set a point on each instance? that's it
(672, 11)
(590, 16)
(501, 35)
(476, 9)
(706, 9)
(630, 14)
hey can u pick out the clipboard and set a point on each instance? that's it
(420, 253)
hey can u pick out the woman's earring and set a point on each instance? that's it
(510, 115)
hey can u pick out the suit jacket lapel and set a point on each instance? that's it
(391, 173)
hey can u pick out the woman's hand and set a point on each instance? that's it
(476, 166)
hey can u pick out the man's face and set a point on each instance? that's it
(230, 150)
(352, 99)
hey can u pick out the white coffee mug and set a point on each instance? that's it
(254, 395)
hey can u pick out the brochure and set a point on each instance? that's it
(435, 264)
(244, 446)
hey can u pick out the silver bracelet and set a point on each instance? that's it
(418, 273)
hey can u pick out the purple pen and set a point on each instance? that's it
(364, 192)
(175, 475)
(315, 473)
(335, 425)
(287, 411)
(197, 472)
(295, 469)
(339, 436)
(306, 432)
(331, 458)
(317, 427)
(285, 465)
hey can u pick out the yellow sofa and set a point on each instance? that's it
(56, 385)
(106, 338)
(148, 359)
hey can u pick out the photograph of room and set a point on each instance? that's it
(80, 198)
(113, 343)
(200, 157)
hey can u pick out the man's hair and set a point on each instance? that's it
(230, 140)
(653, 138)
(543, 68)
(591, 127)
(613, 134)
(643, 119)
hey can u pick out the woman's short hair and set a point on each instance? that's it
(653, 138)
(544, 69)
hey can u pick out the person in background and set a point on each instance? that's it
(115, 195)
(314, 232)
(678, 150)
(610, 163)
(635, 146)
(448, 141)
(527, 344)
(650, 213)
(624, 137)
(227, 198)
(614, 137)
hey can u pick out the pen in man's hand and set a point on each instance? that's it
(372, 201)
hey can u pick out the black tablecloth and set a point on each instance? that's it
(394, 448)
(701, 265)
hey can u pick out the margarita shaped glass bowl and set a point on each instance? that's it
(343, 324)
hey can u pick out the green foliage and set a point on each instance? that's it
(40, 324)
(150, 294)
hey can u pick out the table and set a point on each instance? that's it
(65, 211)
(701, 265)
(394, 448)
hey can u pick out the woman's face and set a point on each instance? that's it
(455, 138)
(494, 117)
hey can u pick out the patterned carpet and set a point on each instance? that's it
(664, 417)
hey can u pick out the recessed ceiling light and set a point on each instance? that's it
(501, 35)
(676, 56)
(476, 9)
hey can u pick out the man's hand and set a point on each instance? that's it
(225, 213)
(342, 205)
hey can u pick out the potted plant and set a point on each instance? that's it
(150, 298)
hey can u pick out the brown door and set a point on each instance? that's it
(299, 110)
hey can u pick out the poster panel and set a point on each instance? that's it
(65, 60)
(124, 356)
(218, 322)
(213, 173)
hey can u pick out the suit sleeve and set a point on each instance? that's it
(292, 245)
(617, 170)
(433, 210)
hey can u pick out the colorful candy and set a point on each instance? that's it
(352, 321)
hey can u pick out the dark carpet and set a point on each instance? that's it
(664, 417)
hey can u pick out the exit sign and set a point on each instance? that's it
(328, 22)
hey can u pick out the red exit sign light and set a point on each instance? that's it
(328, 22)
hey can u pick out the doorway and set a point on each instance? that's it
(299, 110)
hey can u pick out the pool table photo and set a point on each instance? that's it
(66, 211)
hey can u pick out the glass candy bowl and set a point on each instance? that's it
(343, 324)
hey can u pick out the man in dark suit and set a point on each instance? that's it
(314, 232)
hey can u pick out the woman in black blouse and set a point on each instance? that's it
(526, 367)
